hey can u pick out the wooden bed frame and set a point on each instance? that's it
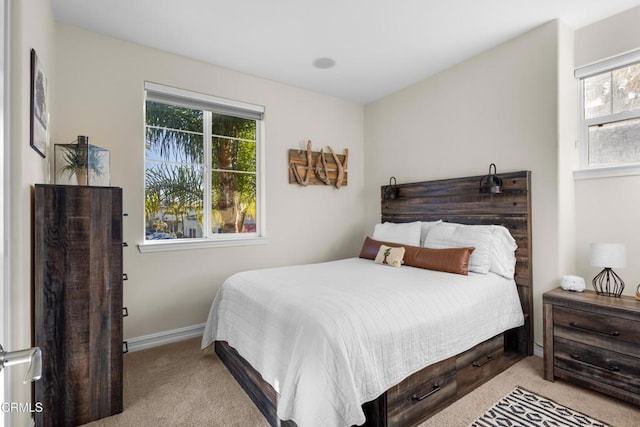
(435, 387)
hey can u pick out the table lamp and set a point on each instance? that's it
(608, 255)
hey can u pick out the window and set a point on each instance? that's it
(610, 117)
(202, 169)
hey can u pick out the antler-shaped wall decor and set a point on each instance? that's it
(318, 168)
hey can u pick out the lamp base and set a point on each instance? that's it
(608, 283)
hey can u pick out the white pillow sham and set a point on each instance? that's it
(452, 235)
(494, 246)
(503, 252)
(424, 229)
(404, 233)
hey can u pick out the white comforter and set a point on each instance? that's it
(331, 336)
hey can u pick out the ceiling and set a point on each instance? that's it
(379, 46)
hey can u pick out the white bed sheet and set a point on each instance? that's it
(331, 336)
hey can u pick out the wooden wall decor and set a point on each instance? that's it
(317, 167)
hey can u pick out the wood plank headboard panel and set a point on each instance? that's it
(459, 200)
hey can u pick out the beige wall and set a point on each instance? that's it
(501, 106)
(568, 153)
(31, 26)
(99, 93)
(608, 37)
(607, 208)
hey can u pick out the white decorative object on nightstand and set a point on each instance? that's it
(572, 283)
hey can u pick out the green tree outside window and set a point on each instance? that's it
(176, 167)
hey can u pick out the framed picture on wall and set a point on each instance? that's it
(39, 107)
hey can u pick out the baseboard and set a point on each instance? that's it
(194, 331)
(165, 337)
(538, 350)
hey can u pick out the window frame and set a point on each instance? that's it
(623, 169)
(209, 103)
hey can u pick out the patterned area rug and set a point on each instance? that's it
(522, 408)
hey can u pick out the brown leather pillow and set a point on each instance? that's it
(370, 247)
(450, 260)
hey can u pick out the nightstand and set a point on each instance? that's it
(593, 341)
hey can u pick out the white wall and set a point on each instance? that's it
(568, 152)
(99, 93)
(608, 37)
(607, 208)
(31, 26)
(501, 106)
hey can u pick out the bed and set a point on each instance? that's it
(328, 353)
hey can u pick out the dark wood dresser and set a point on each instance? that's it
(594, 341)
(78, 302)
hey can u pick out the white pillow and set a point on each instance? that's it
(503, 252)
(424, 229)
(500, 251)
(452, 235)
(405, 233)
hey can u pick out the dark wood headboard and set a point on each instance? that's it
(459, 200)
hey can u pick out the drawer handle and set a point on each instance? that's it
(480, 364)
(436, 388)
(612, 368)
(584, 328)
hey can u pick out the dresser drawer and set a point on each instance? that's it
(475, 366)
(595, 328)
(428, 390)
(599, 364)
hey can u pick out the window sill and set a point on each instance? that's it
(151, 246)
(607, 172)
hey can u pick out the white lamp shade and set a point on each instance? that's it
(608, 255)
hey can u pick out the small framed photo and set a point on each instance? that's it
(39, 107)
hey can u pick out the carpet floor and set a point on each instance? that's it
(179, 385)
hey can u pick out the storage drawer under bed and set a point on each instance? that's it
(475, 366)
(436, 386)
(423, 392)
